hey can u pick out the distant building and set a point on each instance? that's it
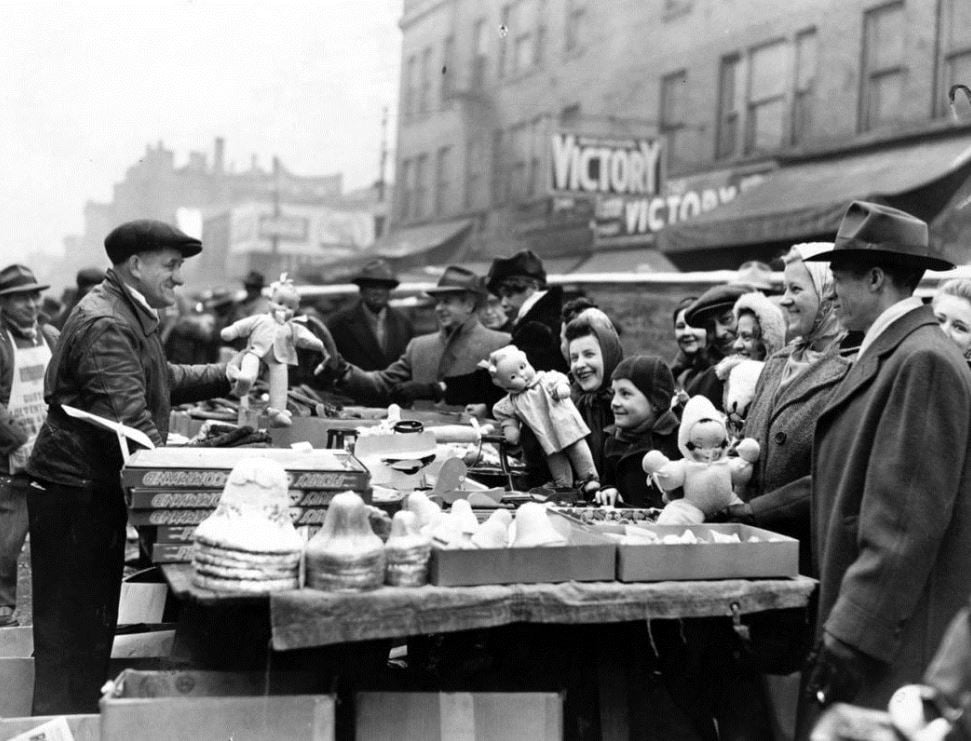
(699, 132)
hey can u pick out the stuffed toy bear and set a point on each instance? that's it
(272, 341)
(706, 473)
(541, 400)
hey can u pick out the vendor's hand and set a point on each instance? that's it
(608, 497)
(409, 391)
(477, 410)
(837, 672)
(741, 513)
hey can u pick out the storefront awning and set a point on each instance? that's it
(806, 200)
(643, 260)
(429, 243)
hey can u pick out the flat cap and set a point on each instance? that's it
(715, 300)
(143, 235)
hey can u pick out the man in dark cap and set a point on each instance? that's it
(891, 471)
(440, 366)
(370, 334)
(25, 350)
(535, 308)
(85, 280)
(109, 362)
(254, 302)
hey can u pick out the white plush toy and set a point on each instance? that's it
(706, 473)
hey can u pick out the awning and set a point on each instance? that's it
(643, 260)
(805, 200)
(428, 243)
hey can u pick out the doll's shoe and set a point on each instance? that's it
(7, 620)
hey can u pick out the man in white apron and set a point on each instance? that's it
(25, 350)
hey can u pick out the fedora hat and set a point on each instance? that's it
(524, 264)
(376, 272)
(456, 279)
(19, 279)
(887, 234)
(144, 235)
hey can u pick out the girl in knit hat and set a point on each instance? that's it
(643, 389)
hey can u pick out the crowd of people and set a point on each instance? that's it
(859, 402)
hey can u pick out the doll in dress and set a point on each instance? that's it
(541, 400)
(272, 341)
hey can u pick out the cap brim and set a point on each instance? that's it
(893, 258)
(445, 291)
(376, 282)
(24, 289)
(190, 250)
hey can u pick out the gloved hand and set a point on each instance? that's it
(741, 513)
(408, 391)
(837, 672)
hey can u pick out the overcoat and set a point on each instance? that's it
(529, 335)
(891, 501)
(782, 420)
(357, 344)
(622, 461)
(428, 358)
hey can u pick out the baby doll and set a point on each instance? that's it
(706, 473)
(541, 400)
(272, 341)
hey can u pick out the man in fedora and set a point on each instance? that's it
(109, 361)
(370, 334)
(254, 302)
(535, 308)
(891, 471)
(433, 362)
(25, 350)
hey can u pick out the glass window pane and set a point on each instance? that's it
(770, 71)
(885, 37)
(766, 125)
(956, 24)
(885, 97)
(959, 70)
(806, 48)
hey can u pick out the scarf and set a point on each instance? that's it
(663, 424)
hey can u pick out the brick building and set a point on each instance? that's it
(769, 117)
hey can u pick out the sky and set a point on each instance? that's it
(86, 86)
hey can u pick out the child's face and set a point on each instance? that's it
(629, 405)
(749, 338)
(587, 363)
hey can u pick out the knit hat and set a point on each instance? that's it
(770, 318)
(651, 376)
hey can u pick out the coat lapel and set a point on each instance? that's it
(820, 374)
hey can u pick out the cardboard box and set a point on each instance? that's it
(459, 716)
(158, 706)
(139, 498)
(81, 727)
(143, 596)
(586, 556)
(16, 671)
(145, 517)
(773, 555)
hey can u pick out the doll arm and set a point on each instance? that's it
(307, 340)
(509, 423)
(741, 467)
(667, 474)
(557, 384)
(240, 328)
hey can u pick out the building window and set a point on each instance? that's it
(411, 86)
(570, 115)
(539, 46)
(504, 18)
(442, 176)
(575, 12)
(765, 122)
(419, 208)
(498, 167)
(477, 73)
(407, 196)
(474, 166)
(882, 77)
(674, 117)
(519, 151)
(954, 41)
(803, 97)
(424, 94)
(448, 68)
(537, 141)
(726, 142)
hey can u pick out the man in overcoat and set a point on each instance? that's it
(891, 471)
(109, 361)
(439, 366)
(371, 334)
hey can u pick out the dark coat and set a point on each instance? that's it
(109, 361)
(11, 435)
(891, 501)
(357, 344)
(782, 420)
(622, 461)
(530, 334)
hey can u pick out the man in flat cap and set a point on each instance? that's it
(891, 471)
(534, 307)
(439, 366)
(25, 350)
(109, 362)
(370, 334)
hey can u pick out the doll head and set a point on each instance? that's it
(284, 299)
(702, 436)
(509, 368)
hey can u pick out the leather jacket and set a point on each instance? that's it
(110, 362)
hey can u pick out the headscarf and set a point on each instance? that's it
(826, 330)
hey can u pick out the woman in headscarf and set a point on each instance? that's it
(594, 352)
(952, 309)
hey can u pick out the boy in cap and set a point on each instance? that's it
(643, 389)
(109, 362)
(25, 350)
(891, 471)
